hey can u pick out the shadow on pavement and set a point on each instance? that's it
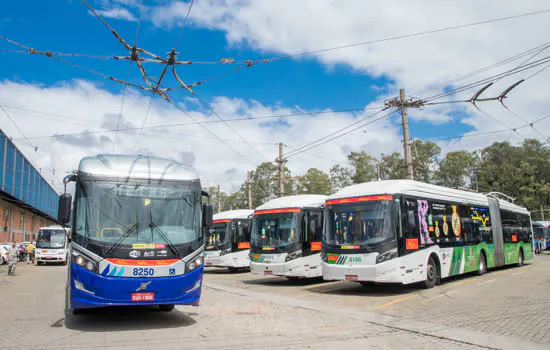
(225, 271)
(277, 281)
(117, 319)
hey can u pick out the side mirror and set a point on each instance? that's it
(64, 209)
(207, 215)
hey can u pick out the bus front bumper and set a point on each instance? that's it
(386, 272)
(235, 260)
(99, 291)
(294, 268)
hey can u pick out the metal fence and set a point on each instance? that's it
(23, 181)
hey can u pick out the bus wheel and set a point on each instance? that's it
(431, 274)
(520, 259)
(166, 307)
(482, 265)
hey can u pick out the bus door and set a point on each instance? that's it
(498, 240)
(312, 232)
(240, 235)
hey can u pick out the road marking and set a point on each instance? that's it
(516, 273)
(392, 302)
(486, 282)
(464, 282)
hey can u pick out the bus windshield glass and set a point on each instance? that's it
(362, 225)
(216, 236)
(541, 232)
(112, 217)
(271, 231)
(51, 238)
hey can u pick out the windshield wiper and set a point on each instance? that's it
(163, 235)
(166, 239)
(122, 238)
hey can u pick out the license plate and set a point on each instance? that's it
(208, 264)
(143, 297)
(268, 272)
(351, 277)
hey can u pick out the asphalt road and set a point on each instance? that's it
(507, 308)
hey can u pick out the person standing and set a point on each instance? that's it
(30, 253)
(12, 259)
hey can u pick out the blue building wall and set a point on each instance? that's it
(21, 180)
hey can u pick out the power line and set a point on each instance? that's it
(127, 77)
(17, 127)
(491, 132)
(338, 136)
(340, 130)
(170, 62)
(244, 119)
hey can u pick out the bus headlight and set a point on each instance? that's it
(194, 263)
(83, 261)
(392, 254)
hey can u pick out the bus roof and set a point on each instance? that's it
(420, 189)
(233, 214)
(136, 166)
(299, 201)
(541, 223)
(53, 227)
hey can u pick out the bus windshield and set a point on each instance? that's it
(216, 236)
(112, 217)
(361, 225)
(541, 232)
(51, 238)
(271, 231)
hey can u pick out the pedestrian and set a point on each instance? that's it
(12, 259)
(30, 253)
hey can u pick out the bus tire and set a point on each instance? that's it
(166, 307)
(520, 258)
(432, 274)
(482, 264)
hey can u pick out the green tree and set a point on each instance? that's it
(392, 166)
(424, 156)
(457, 169)
(364, 167)
(314, 181)
(340, 177)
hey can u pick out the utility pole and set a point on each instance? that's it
(402, 103)
(219, 200)
(281, 163)
(249, 182)
(542, 212)
(406, 136)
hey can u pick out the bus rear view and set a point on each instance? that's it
(137, 235)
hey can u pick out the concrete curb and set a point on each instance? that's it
(461, 335)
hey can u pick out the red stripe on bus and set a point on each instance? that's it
(359, 199)
(277, 211)
(131, 262)
(220, 221)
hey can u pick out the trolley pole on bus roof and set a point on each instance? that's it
(249, 183)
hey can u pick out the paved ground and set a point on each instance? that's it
(507, 308)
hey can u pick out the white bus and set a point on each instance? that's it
(52, 245)
(286, 237)
(402, 231)
(228, 240)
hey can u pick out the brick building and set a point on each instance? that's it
(27, 201)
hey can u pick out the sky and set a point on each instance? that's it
(48, 97)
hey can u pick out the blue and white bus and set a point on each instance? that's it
(137, 233)
(541, 233)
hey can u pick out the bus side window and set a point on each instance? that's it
(411, 219)
(314, 232)
(510, 226)
(525, 228)
(468, 232)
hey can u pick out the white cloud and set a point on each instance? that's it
(117, 13)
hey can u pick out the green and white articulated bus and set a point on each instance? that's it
(286, 237)
(403, 231)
